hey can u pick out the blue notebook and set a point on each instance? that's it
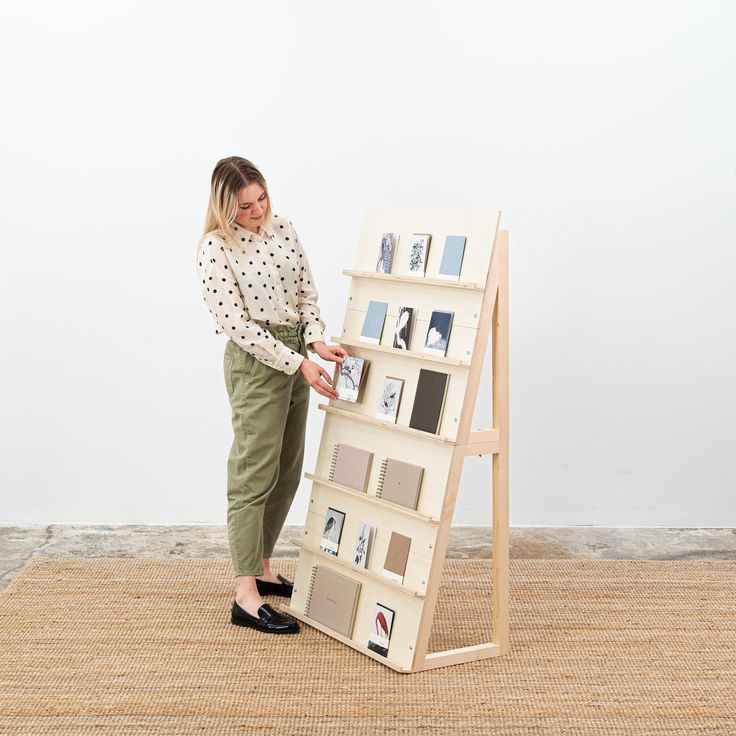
(373, 323)
(452, 257)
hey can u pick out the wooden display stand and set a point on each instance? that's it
(480, 307)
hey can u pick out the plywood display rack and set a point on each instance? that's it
(479, 301)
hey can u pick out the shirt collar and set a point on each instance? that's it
(267, 231)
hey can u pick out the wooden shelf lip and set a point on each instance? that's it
(344, 639)
(361, 570)
(385, 425)
(467, 285)
(486, 434)
(404, 353)
(372, 499)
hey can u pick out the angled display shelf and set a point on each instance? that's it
(479, 302)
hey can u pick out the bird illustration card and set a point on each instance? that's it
(404, 323)
(332, 531)
(388, 402)
(349, 377)
(438, 333)
(381, 625)
(386, 252)
(418, 252)
(363, 540)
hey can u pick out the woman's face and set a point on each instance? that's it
(252, 205)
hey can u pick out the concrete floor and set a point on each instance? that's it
(18, 544)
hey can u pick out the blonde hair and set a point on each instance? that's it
(229, 177)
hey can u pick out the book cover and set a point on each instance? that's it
(349, 377)
(332, 599)
(388, 403)
(429, 400)
(351, 466)
(452, 258)
(373, 322)
(404, 324)
(363, 540)
(397, 555)
(400, 482)
(418, 252)
(438, 332)
(381, 625)
(386, 252)
(332, 531)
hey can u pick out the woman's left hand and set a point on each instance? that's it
(334, 353)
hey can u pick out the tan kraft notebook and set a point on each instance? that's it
(332, 599)
(396, 556)
(351, 467)
(399, 482)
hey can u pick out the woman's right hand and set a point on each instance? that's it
(318, 378)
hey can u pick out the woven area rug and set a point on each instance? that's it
(144, 646)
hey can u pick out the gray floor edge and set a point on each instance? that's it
(18, 544)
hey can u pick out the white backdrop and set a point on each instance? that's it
(604, 131)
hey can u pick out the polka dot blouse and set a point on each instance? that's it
(264, 281)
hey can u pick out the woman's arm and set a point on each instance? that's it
(227, 306)
(309, 312)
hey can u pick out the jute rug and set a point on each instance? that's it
(144, 646)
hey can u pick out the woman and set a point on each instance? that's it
(258, 286)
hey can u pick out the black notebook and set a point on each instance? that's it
(429, 400)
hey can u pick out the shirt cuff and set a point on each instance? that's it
(289, 361)
(313, 333)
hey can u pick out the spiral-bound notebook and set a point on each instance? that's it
(351, 466)
(399, 482)
(332, 599)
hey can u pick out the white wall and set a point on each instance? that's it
(604, 131)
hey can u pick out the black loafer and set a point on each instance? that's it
(267, 620)
(285, 587)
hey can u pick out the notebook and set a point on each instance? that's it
(452, 257)
(429, 400)
(397, 554)
(402, 331)
(373, 322)
(380, 633)
(438, 333)
(349, 377)
(418, 252)
(386, 253)
(390, 398)
(332, 531)
(399, 482)
(332, 599)
(363, 539)
(351, 466)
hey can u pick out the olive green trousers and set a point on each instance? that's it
(269, 416)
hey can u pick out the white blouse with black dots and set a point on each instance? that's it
(263, 283)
